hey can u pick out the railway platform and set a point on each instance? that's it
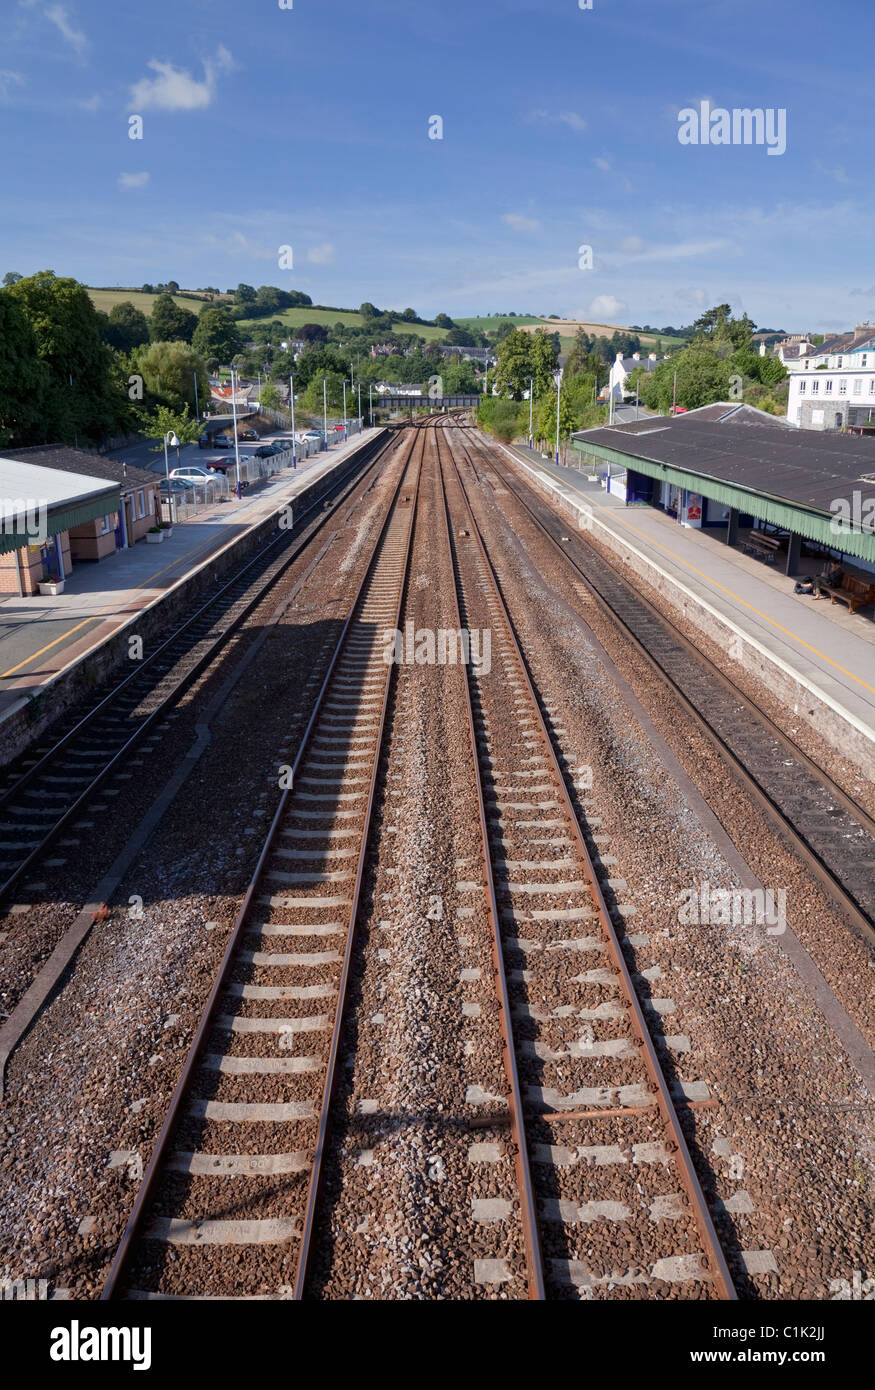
(797, 645)
(41, 637)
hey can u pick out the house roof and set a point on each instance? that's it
(97, 466)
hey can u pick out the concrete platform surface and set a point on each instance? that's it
(828, 650)
(40, 637)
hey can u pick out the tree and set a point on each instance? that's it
(514, 364)
(244, 294)
(163, 420)
(66, 327)
(544, 358)
(313, 333)
(23, 377)
(545, 419)
(216, 337)
(168, 371)
(126, 327)
(459, 377)
(702, 377)
(169, 323)
(368, 310)
(460, 337)
(12, 277)
(270, 397)
(444, 321)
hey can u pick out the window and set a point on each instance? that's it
(858, 385)
(838, 361)
(863, 359)
(827, 387)
(872, 386)
(141, 504)
(815, 387)
(802, 388)
(843, 386)
(104, 525)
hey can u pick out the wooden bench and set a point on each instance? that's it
(856, 593)
(766, 546)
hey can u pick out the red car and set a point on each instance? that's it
(226, 464)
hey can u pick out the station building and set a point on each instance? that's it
(744, 475)
(61, 506)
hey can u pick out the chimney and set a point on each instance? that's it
(652, 357)
(636, 356)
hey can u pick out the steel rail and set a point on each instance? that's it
(153, 1169)
(825, 875)
(189, 675)
(317, 1170)
(528, 1208)
(714, 1260)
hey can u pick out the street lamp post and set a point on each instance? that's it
(169, 438)
(236, 443)
(325, 412)
(359, 389)
(292, 404)
(531, 400)
(370, 407)
(197, 410)
(344, 407)
(558, 408)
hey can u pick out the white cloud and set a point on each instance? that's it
(324, 254)
(58, 16)
(133, 180)
(520, 223)
(175, 89)
(93, 103)
(10, 82)
(569, 118)
(696, 297)
(606, 307)
(603, 164)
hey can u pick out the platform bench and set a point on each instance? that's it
(765, 546)
(856, 593)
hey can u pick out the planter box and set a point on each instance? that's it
(49, 588)
(167, 532)
(154, 537)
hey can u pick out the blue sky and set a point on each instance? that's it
(308, 127)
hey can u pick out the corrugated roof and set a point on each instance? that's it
(61, 456)
(804, 467)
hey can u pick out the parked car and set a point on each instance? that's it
(248, 434)
(193, 473)
(223, 441)
(179, 487)
(205, 440)
(227, 464)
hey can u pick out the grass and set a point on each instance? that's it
(294, 318)
(107, 299)
(489, 325)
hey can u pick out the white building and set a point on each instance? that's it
(622, 366)
(838, 393)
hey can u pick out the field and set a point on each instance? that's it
(488, 324)
(329, 317)
(106, 299)
(567, 328)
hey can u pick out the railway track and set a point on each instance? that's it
(44, 791)
(246, 1128)
(833, 835)
(587, 1086)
